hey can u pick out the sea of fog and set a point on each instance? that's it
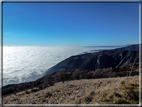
(24, 64)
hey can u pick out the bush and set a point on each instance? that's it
(34, 90)
(88, 99)
(121, 101)
(122, 82)
(48, 94)
(27, 92)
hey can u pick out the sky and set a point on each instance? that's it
(70, 24)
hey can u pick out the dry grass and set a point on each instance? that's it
(92, 91)
(137, 70)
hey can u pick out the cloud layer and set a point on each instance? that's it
(24, 64)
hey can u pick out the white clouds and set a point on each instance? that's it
(23, 64)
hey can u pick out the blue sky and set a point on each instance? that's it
(70, 24)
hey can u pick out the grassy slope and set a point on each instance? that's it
(67, 75)
(117, 90)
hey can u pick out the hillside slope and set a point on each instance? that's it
(85, 91)
(103, 64)
(97, 60)
(74, 74)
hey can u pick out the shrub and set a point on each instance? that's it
(27, 92)
(88, 99)
(121, 101)
(122, 82)
(92, 93)
(34, 90)
(48, 94)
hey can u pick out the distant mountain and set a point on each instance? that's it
(134, 47)
(101, 59)
(92, 61)
(111, 46)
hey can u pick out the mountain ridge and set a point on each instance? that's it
(92, 61)
(106, 63)
(116, 57)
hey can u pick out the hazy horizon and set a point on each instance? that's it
(72, 45)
